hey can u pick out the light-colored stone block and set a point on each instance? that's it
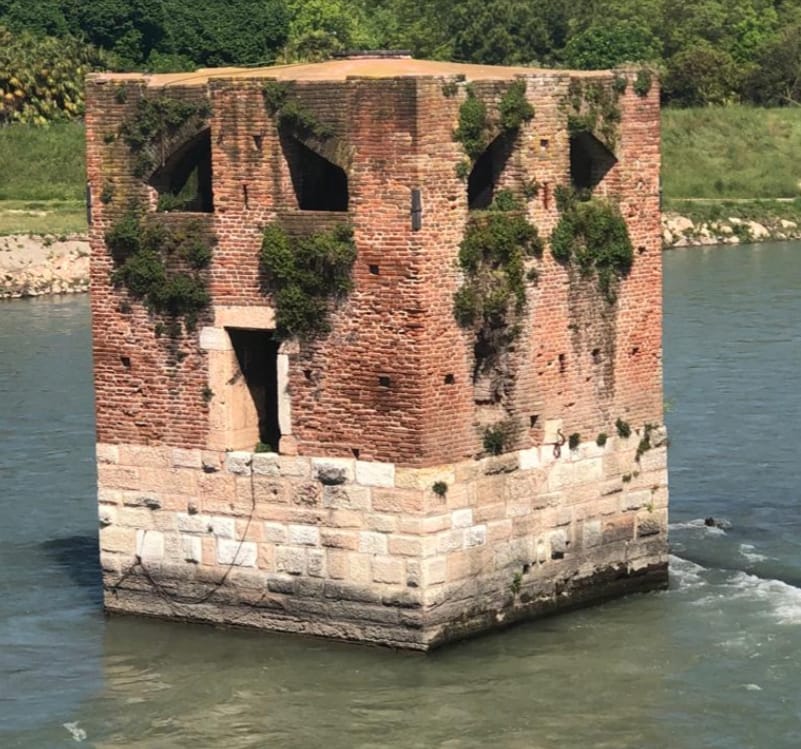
(187, 523)
(150, 545)
(303, 535)
(294, 466)
(106, 515)
(475, 536)
(265, 464)
(275, 533)
(462, 518)
(315, 563)
(237, 553)
(215, 339)
(114, 538)
(334, 471)
(592, 533)
(290, 559)
(182, 458)
(636, 500)
(222, 527)
(371, 542)
(107, 453)
(424, 478)
(388, 570)
(529, 458)
(375, 474)
(239, 462)
(192, 548)
(284, 396)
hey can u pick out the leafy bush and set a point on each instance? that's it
(472, 131)
(593, 235)
(161, 265)
(304, 273)
(514, 108)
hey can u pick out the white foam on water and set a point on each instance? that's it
(78, 734)
(781, 600)
(747, 550)
(752, 687)
(700, 524)
(686, 573)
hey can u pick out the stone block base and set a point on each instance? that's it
(377, 553)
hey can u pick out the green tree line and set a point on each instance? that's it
(708, 51)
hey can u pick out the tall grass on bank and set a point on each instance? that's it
(42, 163)
(731, 152)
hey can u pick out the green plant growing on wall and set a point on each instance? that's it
(475, 127)
(493, 254)
(593, 234)
(440, 488)
(514, 108)
(623, 428)
(305, 274)
(516, 584)
(593, 108)
(162, 266)
(643, 82)
(155, 121)
(601, 439)
(574, 440)
(290, 114)
(499, 437)
(645, 441)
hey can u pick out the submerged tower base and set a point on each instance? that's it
(374, 553)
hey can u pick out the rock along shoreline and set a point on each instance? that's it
(39, 265)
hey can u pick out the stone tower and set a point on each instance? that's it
(377, 344)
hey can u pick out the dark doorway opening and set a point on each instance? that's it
(486, 171)
(257, 356)
(184, 180)
(590, 160)
(319, 184)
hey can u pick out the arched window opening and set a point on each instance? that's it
(590, 160)
(483, 178)
(319, 184)
(184, 181)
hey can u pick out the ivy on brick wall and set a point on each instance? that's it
(593, 108)
(476, 126)
(162, 265)
(290, 114)
(492, 255)
(592, 234)
(155, 121)
(305, 274)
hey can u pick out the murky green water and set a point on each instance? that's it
(713, 662)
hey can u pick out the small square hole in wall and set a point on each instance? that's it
(634, 351)
(596, 356)
(562, 363)
(641, 250)
(356, 452)
(450, 379)
(126, 361)
(374, 270)
(532, 420)
(307, 373)
(384, 382)
(544, 143)
(258, 141)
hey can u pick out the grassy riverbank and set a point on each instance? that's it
(734, 152)
(734, 161)
(43, 177)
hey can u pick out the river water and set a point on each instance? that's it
(712, 662)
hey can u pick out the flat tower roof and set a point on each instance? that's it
(357, 66)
